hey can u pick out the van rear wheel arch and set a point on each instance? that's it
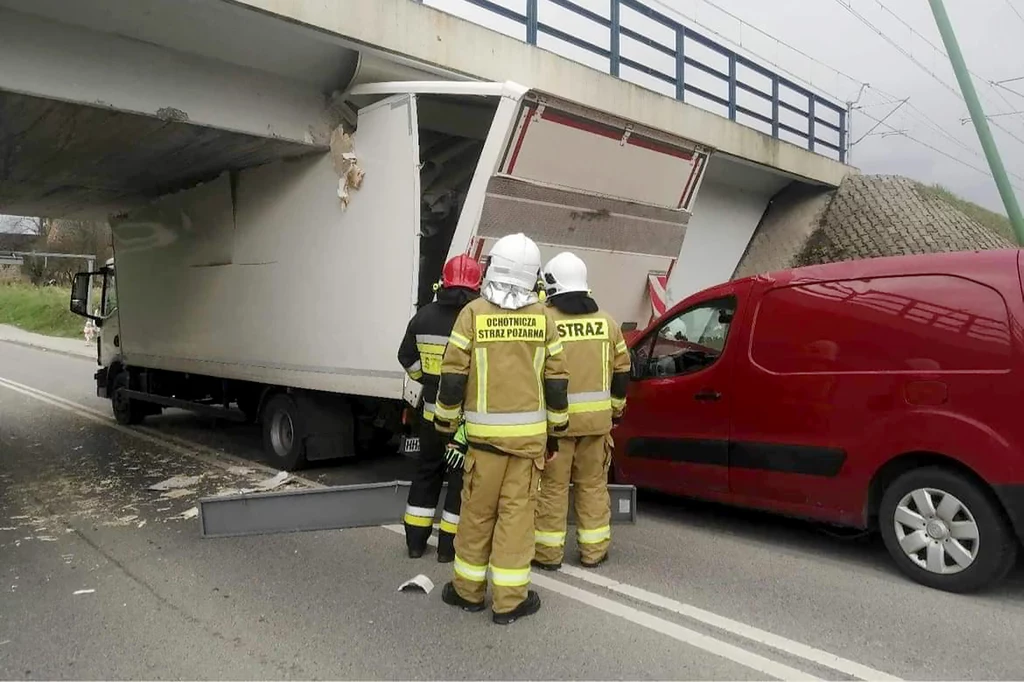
(909, 461)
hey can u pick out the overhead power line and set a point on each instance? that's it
(848, 6)
(937, 150)
(1015, 10)
(909, 111)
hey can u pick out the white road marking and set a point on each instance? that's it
(677, 632)
(707, 643)
(750, 632)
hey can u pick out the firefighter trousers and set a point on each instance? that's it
(431, 472)
(499, 496)
(584, 461)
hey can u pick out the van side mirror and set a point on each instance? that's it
(80, 295)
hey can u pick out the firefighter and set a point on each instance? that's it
(420, 354)
(598, 363)
(504, 373)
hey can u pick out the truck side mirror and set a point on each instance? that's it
(80, 295)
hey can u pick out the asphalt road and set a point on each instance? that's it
(102, 578)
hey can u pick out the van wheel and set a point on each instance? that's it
(126, 410)
(945, 531)
(284, 433)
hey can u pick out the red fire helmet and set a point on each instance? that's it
(461, 271)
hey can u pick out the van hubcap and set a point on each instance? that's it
(936, 531)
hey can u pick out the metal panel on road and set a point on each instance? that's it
(346, 506)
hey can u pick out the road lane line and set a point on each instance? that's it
(750, 632)
(644, 619)
(651, 622)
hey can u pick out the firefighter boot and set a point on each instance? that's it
(450, 597)
(527, 607)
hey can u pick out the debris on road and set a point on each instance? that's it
(274, 482)
(176, 493)
(78, 592)
(190, 513)
(175, 482)
(420, 583)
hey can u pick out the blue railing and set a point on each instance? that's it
(693, 68)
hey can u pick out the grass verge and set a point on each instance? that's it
(43, 310)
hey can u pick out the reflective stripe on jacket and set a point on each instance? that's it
(504, 371)
(598, 363)
(423, 347)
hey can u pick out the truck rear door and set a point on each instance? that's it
(615, 193)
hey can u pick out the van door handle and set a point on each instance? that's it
(707, 395)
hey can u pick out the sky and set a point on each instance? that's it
(829, 45)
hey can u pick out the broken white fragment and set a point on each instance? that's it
(77, 592)
(420, 583)
(274, 482)
(175, 494)
(191, 513)
(46, 538)
(239, 471)
(142, 523)
(175, 482)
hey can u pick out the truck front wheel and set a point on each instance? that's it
(284, 433)
(126, 410)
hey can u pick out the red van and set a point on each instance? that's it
(877, 393)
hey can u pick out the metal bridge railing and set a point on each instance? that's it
(639, 44)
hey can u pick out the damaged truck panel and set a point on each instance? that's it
(280, 293)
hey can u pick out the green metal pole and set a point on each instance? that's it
(988, 144)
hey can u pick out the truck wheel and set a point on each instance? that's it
(126, 410)
(945, 531)
(284, 433)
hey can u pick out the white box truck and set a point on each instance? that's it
(280, 293)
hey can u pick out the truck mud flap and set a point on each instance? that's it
(346, 506)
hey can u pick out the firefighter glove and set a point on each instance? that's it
(455, 452)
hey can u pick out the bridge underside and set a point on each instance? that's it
(65, 159)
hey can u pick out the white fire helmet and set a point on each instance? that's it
(514, 260)
(565, 273)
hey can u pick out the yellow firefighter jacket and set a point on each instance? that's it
(504, 372)
(598, 362)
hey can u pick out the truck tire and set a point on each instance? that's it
(284, 433)
(945, 531)
(126, 410)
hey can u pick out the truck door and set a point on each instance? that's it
(675, 436)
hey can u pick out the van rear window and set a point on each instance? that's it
(889, 324)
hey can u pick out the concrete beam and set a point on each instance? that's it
(67, 63)
(410, 29)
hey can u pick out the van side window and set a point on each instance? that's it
(910, 323)
(688, 342)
